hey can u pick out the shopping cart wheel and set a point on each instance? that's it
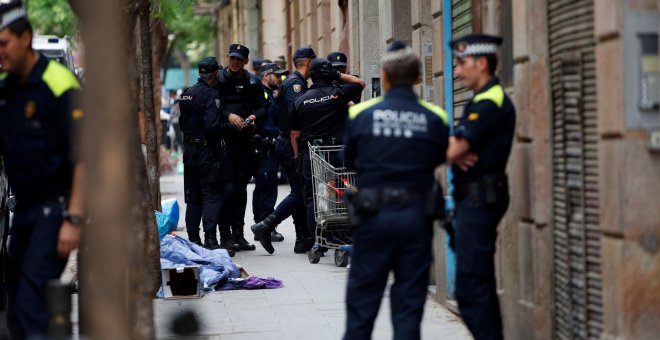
(314, 255)
(341, 258)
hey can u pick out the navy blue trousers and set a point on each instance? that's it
(476, 236)
(203, 201)
(33, 261)
(264, 195)
(293, 204)
(398, 238)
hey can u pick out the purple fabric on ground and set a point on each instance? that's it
(252, 282)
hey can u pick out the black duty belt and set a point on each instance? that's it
(487, 185)
(196, 140)
(385, 196)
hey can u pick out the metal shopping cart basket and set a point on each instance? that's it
(330, 181)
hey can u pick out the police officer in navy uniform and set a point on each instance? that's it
(201, 125)
(292, 205)
(319, 118)
(243, 103)
(340, 63)
(264, 196)
(479, 151)
(39, 117)
(395, 142)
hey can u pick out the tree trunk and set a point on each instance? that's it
(152, 161)
(104, 300)
(152, 118)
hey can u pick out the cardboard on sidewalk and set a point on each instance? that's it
(181, 283)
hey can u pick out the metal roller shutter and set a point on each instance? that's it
(578, 293)
(461, 25)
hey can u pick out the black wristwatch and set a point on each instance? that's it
(74, 219)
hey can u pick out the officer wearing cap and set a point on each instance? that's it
(319, 118)
(38, 122)
(339, 62)
(265, 188)
(243, 103)
(281, 62)
(479, 151)
(201, 127)
(394, 142)
(256, 65)
(292, 205)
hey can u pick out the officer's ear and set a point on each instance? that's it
(385, 81)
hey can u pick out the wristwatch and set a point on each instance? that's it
(74, 219)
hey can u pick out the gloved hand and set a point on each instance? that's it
(329, 72)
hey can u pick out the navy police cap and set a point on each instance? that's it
(239, 51)
(11, 11)
(208, 65)
(475, 44)
(338, 59)
(304, 52)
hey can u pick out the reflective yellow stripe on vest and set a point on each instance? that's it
(3, 75)
(435, 109)
(356, 109)
(265, 95)
(59, 79)
(494, 94)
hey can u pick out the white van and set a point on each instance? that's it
(55, 48)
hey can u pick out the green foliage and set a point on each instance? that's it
(193, 32)
(53, 17)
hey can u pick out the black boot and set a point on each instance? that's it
(263, 230)
(276, 237)
(302, 244)
(226, 241)
(238, 237)
(193, 236)
(211, 240)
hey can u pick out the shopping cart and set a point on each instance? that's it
(330, 182)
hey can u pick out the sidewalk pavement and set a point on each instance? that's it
(310, 306)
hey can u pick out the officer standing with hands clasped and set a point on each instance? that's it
(39, 119)
(395, 142)
(319, 118)
(264, 196)
(243, 103)
(479, 151)
(201, 126)
(293, 204)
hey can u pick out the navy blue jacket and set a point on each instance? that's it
(38, 120)
(293, 87)
(488, 123)
(396, 140)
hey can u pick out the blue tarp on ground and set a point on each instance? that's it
(216, 266)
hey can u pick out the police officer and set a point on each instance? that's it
(38, 120)
(256, 66)
(265, 188)
(395, 142)
(201, 127)
(292, 205)
(339, 62)
(243, 103)
(319, 118)
(484, 135)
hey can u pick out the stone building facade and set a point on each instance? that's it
(579, 249)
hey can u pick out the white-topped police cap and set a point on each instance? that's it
(475, 44)
(10, 11)
(396, 51)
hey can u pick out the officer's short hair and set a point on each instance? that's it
(404, 71)
(300, 62)
(491, 59)
(20, 26)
